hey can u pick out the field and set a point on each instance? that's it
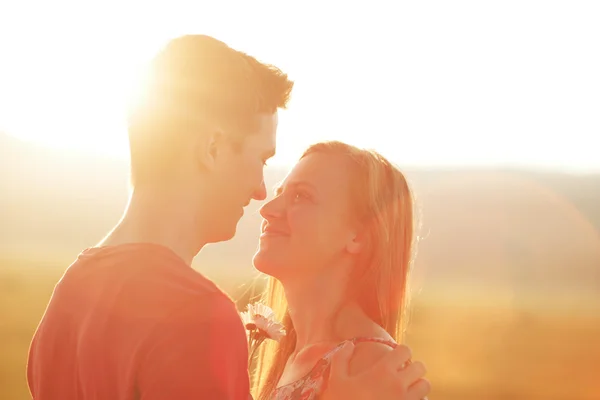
(476, 346)
(507, 271)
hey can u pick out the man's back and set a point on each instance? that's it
(135, 322)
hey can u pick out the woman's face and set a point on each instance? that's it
(309, 225)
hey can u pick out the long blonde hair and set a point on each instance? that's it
(384, 202)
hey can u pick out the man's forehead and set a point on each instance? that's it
(265, 132)
(267, 122)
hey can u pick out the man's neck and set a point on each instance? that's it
(158, 219)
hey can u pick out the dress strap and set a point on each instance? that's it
(357, 340)
(390, 343)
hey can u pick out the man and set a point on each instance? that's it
(130, 319)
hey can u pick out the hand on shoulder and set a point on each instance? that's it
(366, 354)
(373, 370)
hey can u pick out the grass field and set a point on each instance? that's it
(477, 346)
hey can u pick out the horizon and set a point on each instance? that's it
(278, 163)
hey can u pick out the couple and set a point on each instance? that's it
(130, 319)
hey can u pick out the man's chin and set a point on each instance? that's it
(223, 235)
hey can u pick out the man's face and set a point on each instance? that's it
(238, 176)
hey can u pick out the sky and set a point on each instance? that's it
(427, 83)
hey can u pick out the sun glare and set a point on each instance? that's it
(70, 104)
(72, 92)
(443, 85)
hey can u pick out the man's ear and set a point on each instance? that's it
(208, 148)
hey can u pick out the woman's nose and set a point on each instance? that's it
(273, 208)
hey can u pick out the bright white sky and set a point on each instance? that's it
(424, 82)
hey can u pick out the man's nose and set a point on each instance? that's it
(261, 192)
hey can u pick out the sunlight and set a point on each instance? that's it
(78, 98)
(60, 107)
(417, 84)
(76, 101)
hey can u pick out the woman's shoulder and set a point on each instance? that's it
(369, 350)
(371, 341)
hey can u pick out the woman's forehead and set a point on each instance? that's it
(321, 170)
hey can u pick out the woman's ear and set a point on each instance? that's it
(356, 243)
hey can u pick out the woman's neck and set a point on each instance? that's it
(313, 307)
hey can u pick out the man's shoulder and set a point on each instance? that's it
(144, 283)
(141, 266)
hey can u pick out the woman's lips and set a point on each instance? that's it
(273, 232)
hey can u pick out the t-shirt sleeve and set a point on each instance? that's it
(200, 352)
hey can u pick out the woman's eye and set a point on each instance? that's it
(298, 196)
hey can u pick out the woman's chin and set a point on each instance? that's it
(265, 264)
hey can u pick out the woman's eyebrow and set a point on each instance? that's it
(279, 188)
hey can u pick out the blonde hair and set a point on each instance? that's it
(384, 202)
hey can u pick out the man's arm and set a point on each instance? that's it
(199, 352)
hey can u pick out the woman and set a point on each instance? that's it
(337, 242)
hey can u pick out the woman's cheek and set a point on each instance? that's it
(301, 220)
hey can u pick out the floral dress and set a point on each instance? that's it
(308, 387)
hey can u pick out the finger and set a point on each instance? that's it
(420, 389)
(340, 361)
(396, 359)
(412, 373)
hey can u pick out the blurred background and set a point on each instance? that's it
(491, 108)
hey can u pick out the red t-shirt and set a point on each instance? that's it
(135, 322)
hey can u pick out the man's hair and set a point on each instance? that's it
(195, 80)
